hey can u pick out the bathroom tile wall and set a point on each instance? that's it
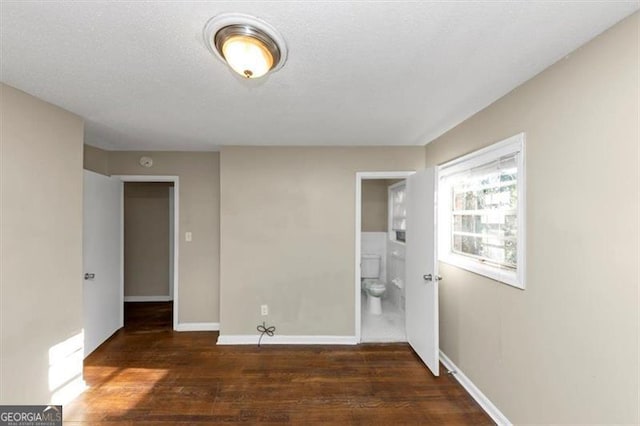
(395, 275)
(375, 243)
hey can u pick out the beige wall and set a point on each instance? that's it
(287, 235)
(374, 205)
(41, 242)
(146, 239)
(565, 350)
(96, 160)
(199, 205)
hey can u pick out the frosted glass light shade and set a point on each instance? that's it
(247, 56)
(248, 45)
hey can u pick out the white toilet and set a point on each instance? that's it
(371, 282)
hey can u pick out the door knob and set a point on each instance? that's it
(89, 276)
(429, 277)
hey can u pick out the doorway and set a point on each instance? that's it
(378, 248)
(382, 266)
(420, 260)
(149, 263)
(148, 251)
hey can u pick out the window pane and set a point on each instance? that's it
(511, 226)
(457, 244)
(398, 210)
(511, 253)
(471, 245)
(484, 212)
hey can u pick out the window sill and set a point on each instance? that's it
(511, 278)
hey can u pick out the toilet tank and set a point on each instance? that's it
(370, 266)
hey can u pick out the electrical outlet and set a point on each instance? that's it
(264, 310)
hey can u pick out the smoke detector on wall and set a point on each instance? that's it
(250, 46)
(146, 161)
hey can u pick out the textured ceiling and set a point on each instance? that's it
(390, 73)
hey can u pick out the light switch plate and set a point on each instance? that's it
(188, 237)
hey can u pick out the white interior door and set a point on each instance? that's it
(422, 269)
(102, 313)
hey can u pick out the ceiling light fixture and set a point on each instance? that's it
(250, 47)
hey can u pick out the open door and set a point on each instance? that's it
(102, 304)
(422, 269)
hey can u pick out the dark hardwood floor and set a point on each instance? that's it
(148, 316)
(149, 374)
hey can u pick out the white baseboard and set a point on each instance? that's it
(148, 298)
(482, 400)
(198, 326)
(252, 339)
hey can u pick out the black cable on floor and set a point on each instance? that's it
(263, 329)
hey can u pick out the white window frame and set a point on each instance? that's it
(514, 144)
(390, 204)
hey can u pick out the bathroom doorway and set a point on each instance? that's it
(380, 252)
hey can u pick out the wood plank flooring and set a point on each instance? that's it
(148, 374)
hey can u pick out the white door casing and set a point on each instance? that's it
(102, 298)
(422, 268)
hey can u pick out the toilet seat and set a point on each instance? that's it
(377, 286)
(369, 281)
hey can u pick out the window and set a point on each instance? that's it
(481, 212)
(398, 212)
